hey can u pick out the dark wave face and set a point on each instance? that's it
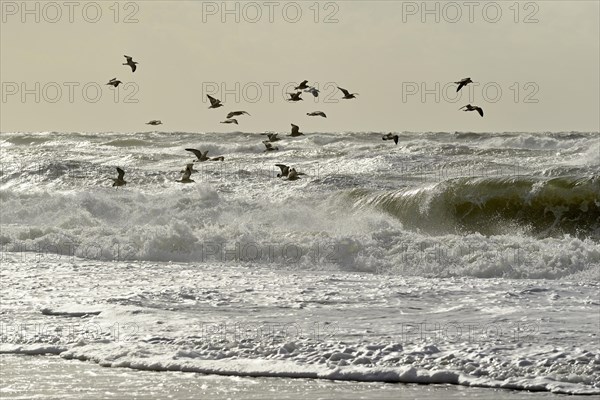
(495, 206)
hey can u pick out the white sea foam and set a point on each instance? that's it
(252, 321)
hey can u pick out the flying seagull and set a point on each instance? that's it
(389, 136)
(313, 90)
(186, 175)
(114, 82)
(317, 114)
(296, 131)
(230, 121)
(131, 63)
(347, 94)
(272, 137)
(214, 103)
(295, 96)
(236, 113)
(119, 181)
(469, 107)
(463, 82)
(303, 85)
(199, 155)
(269, 146)
(154, 122)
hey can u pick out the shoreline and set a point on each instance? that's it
(52, 377)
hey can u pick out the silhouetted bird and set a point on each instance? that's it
(469, 107)
(389, 136)
(199, 155)
(131, 63)
(463, 82)
(295, 96)
(313, 90)
(114, 82)
(214, 103)
(119, 181)
(347, 94)
(236, 113)
(303, 85)
(296, 131)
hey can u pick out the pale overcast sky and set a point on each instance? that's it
(536, 64)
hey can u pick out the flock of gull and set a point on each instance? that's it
(286, 171)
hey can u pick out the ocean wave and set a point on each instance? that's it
(436, 204)
(130, 142)
(493, 206)
(320, 231)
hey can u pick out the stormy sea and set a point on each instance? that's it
(470, 260)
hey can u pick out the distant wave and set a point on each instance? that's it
(129, 142)
(28, 140)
